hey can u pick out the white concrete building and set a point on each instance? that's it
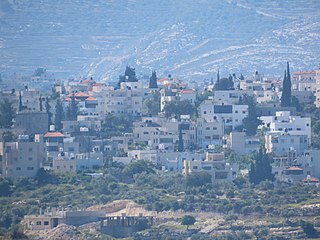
(317, 94)
(209, 133)
(280, 143)
(214, 164)
(242, 144)
(283, 121)
(226, 97)
(231, 115)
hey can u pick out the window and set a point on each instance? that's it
(30, 149)
(30, 168)
(46, 223)
(207, 128)
(30, 158)
(222, 109)
(18, 168)
(38, 223)
(195, 167)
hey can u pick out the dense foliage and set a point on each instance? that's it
(179, 107)
(251, 122)
(261, 169)
(7, 113)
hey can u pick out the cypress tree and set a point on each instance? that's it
(59, 115)
(153, 80)
(7, 113)
(40, 101)
(251, 122)
(20, 102)
(48, 107)
(73, 108)
(180, 142)
(286, 89)
(261, 170)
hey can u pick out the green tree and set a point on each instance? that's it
(224, 84)
(117, 125)
(72, 109)
(251, 122)
(4, 187)
(295, 103)
(153, 104)
(286, 88)
(20, 102)
(129, 76)
(197, 179)
(139, 166)
(141, 223)
(188, 220)
(202, 97)
(7, 113)
(8, 136)
(40, 103)
(44, 177)
(309, 229)
(48, 111)
(180, 142)
(178, 108)
(58, 116)
(153, 80)
(261, 169)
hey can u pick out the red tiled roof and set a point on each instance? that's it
(311, 179)
(81, 94)
(98, 84)
(163, 80)
(305, 72)
(53, 134)
(91, 99)
(187, 91)
(295, 169)
(86, 81)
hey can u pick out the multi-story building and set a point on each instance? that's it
(126, 100)
(214, 164)
(230, 115)
(66, 162)
(317, 101)
(226, 97)
(283, 121)
(209, 133)
(22, 158)
(304, 81)
(242, 144)
(280, 143)
(32, 122)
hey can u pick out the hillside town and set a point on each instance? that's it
(257, 128)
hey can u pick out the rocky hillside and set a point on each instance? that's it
(190, 39)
